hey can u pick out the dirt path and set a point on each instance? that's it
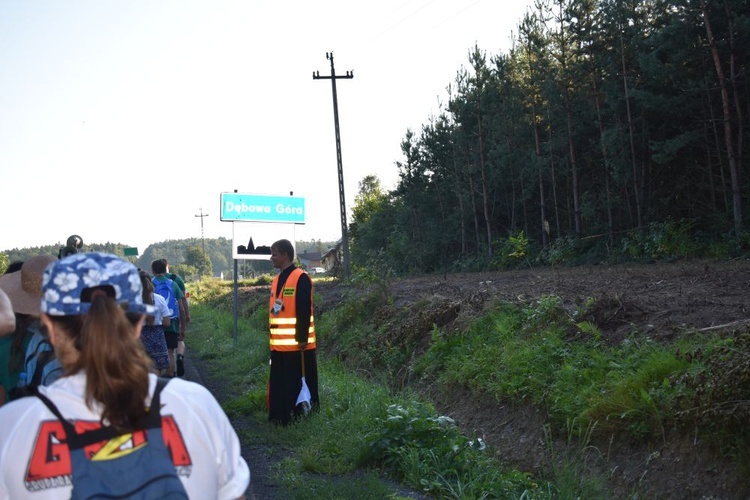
(259, 457)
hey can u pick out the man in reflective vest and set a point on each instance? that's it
(292, 330)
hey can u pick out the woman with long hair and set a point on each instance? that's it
(93, 309)
(152, 334)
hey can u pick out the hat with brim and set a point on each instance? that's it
(70, 285)
(24, 287)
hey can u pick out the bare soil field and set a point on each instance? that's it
(660, 300)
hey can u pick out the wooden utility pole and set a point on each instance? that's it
(342, 201)
(203, 241)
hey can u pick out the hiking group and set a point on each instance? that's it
(169, 290)
(29, 355)
(91, 355)
(94, 349)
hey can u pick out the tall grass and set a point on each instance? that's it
(538, 353)
(542, 354)
(351, 444)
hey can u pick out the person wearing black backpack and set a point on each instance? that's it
(109, 428)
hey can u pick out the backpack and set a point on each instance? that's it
(146, 471)
(176, 278)
(164, 288)
(41, 366)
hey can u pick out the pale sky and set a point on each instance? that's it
(121, 120)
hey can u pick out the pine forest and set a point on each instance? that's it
(611, 129)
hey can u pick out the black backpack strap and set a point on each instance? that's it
(69, 428)
(153, 417)
(75, 440)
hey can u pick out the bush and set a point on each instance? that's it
(429, 452)
(661, 240)
(561, 251)
(512, 252)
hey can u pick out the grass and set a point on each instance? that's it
(538, 353)
(371, 425)
(332, 454)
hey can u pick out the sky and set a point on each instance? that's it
(124, 121)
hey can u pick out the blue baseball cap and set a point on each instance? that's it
(67, 284)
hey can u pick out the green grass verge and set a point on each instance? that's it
(355, 443)
(370, 424)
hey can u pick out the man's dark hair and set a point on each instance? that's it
(284, 246)
(158, 266)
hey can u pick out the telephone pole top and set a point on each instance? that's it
(203, 241)
(342, 201)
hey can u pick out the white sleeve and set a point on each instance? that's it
(161, 304)
(233, 473)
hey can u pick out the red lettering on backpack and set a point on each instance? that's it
(174, 442)
(51, 458)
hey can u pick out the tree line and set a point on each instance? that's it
(185, 256)
(607, 125)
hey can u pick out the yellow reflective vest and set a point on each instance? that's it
(282, 316)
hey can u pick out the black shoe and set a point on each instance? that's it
(180, 365)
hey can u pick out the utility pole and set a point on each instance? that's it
(203, 241)
(342, 201)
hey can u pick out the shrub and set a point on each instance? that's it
(429, 452)
(660, 240)
(512, 251)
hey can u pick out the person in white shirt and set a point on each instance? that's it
(152, 334)
(93, 309)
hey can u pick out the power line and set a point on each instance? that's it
(403, 19)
